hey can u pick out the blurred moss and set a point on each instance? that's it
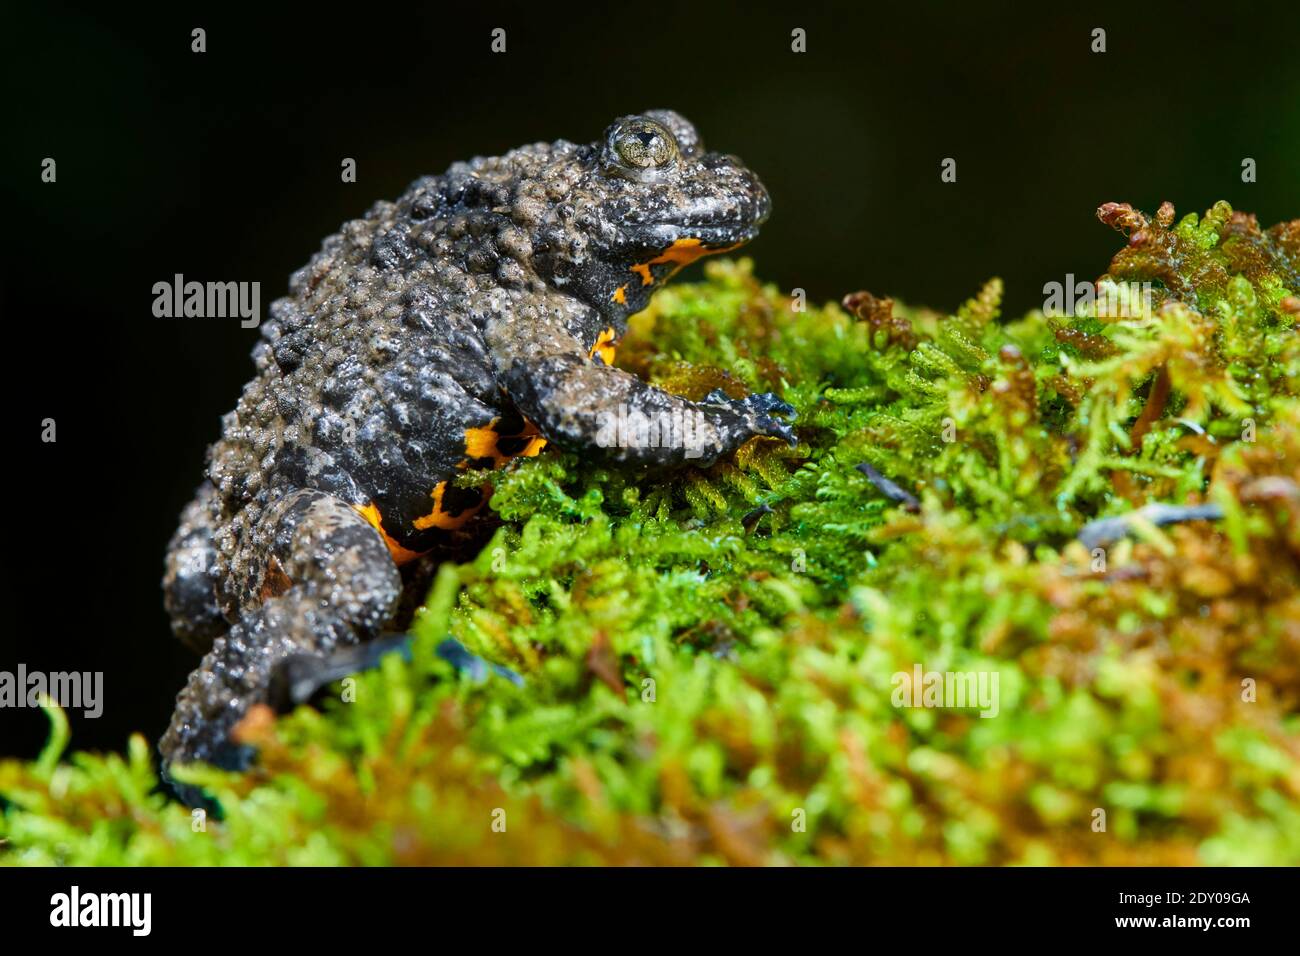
(709, 658)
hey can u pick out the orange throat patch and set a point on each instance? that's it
(680, 254)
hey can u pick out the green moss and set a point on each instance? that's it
(710, 658)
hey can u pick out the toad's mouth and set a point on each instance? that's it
(703, 238)
(713, 230)
(712, 224)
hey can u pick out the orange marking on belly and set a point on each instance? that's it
(481, 442)
(681, 253)
(604, 347)
(535, 444)
(620, 295)
(437, 518)
(400, 554)
(485, 442)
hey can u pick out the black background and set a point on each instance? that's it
(225, 166)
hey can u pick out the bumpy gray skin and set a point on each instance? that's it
(472, 302)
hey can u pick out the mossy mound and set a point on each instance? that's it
(712, 659)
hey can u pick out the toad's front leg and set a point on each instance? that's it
(581, 403)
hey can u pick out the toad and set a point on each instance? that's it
(469, 322)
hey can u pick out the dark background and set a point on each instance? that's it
(225, 166)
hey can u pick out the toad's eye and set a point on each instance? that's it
(644, 144)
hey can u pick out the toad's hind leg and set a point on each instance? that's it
(189, 591)
(336, 585)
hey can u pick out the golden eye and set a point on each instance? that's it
(644, 144)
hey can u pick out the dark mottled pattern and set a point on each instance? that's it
(476, 296)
